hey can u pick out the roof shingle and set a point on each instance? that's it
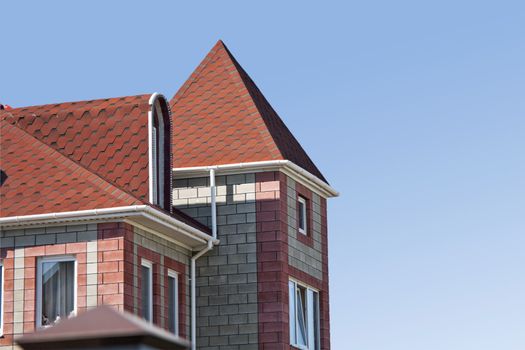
(108, 136)
(221, 117)
(37, 179)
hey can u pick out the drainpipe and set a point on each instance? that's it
(213, 204)
(198, 255)
(193, 296)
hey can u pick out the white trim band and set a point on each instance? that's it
(131, 213)
(286, 166)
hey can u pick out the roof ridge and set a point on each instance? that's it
(230, 118)
(255, 96)
(247, 80)
(200, 67)
(81, 166)
(73, 103)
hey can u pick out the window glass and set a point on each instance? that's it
(1, 298)
(154, 162)
(146, 292)
(57, 288)
(291, 291)
(304, 317)
(302, 215)
(316, 321)
(173, 308)
(301, 316)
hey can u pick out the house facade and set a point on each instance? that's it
(201, 214)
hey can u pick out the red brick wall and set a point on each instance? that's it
(116, 240)
(273, 270)
(114, 276)
(29, 299)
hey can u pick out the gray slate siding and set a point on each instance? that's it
(227, 276)
(301, 256)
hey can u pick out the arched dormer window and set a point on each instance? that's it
(159, 125)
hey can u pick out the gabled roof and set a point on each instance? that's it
(76, 156)
(108, 137)
(37, 179)
(221, 117)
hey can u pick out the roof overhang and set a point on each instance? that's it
(287, 167)
(142, 216)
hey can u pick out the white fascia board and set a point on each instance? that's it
(141, 214)
(289, 168)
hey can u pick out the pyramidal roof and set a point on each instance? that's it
(221, 117)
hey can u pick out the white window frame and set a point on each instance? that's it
(310, 337)
(41, 260)
(2, 299)
(303, 201)
(175, 276)
(149, 265)
(156, 174)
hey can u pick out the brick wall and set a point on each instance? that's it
(164, 255)
(107, 256)
(19, 252)
(242, 285)
(283, 252)
(227, 276)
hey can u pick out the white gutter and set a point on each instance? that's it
(109, 213)
(291, 167)
(193, 294)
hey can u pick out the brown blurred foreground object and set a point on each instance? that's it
(102, 328)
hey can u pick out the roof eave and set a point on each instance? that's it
(142, 216)
(288, 167)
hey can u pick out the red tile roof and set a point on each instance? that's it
(220, 116)
(37, 179)
(108, 137)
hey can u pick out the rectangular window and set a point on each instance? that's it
(1, 299)
(147, 290)
(173, 302)
(302, 215)
(304, 317)
(56, 290)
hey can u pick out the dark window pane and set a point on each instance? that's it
(302, 219)
(172, 304)
(146, 293)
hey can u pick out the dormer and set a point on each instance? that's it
(159, 142)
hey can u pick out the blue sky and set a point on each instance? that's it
(414, 110)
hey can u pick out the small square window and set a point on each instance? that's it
(302, 215)
(146, 287)
(56, 290)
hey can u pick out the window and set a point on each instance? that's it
(304, 317)
(159, 150)
(56, 290)
(1, 299)
(147, 290)
(173, 302)
(302, 215)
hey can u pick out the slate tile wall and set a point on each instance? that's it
(226, 276)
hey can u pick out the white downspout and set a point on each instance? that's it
(213, 204)
(193, 296)
(198, 255)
